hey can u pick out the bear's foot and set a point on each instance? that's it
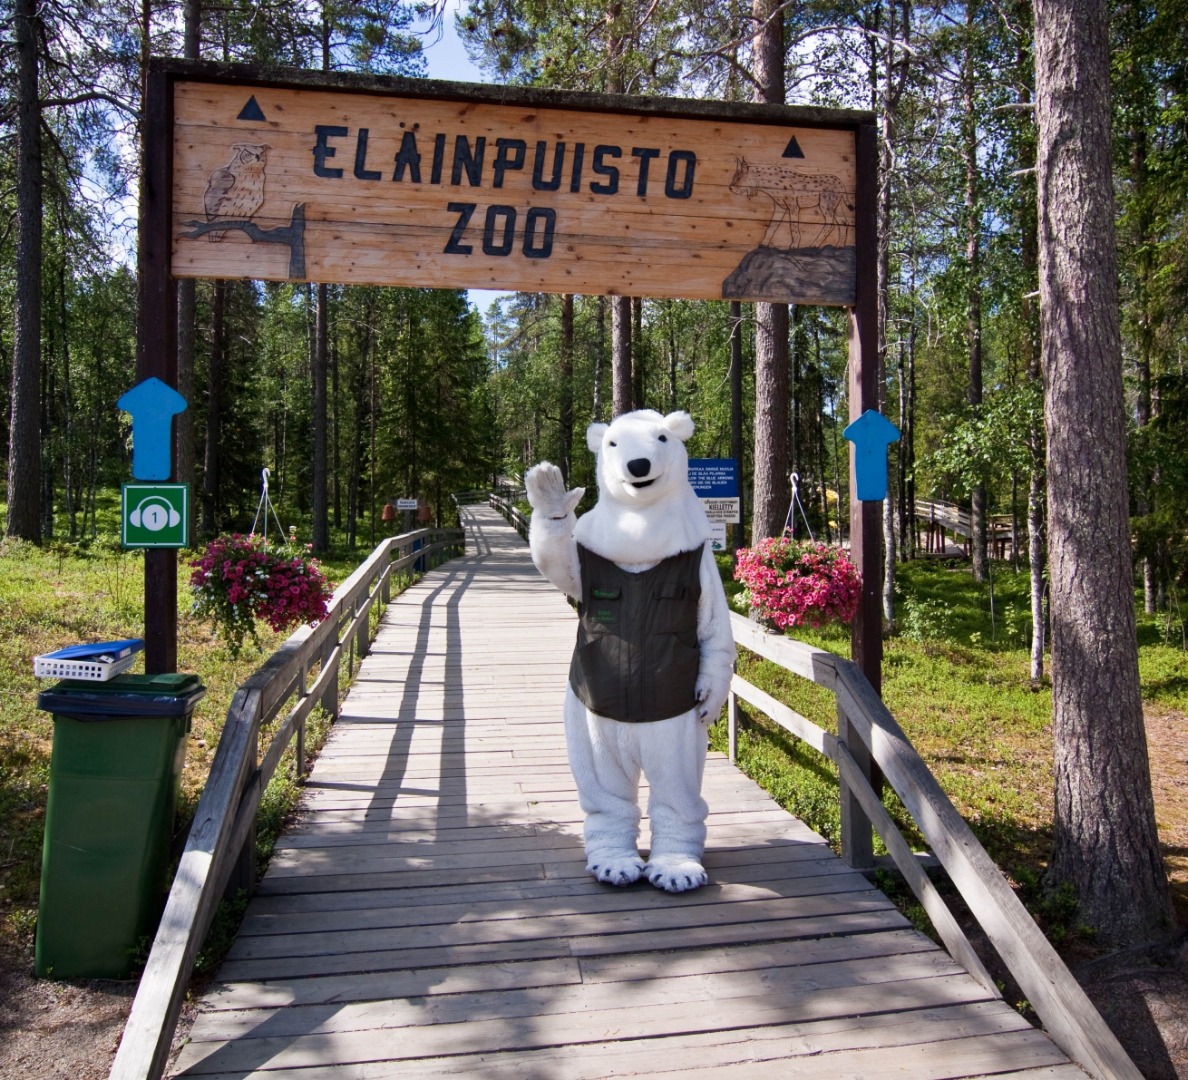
(676, 873)
(621, 868)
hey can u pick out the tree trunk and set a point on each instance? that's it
(1029, 258)
(24, 432)
(639, 371)
(769, 499)
(599, 358)
(214, 410)
(620, 355)
(1106, 846)
(185, 464)
(321, 522)
(565, 410)
(973, 294)
(883, 262)
(736, 412)
(673, 361)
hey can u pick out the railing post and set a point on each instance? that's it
(732, 725)
(242, 874)
(363, 633)
(857, 834)
(386, 583)
(299, 749)
(329, 700)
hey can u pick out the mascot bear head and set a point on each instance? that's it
(641, 457)
(646, 507)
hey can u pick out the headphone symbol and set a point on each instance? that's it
(154, 513)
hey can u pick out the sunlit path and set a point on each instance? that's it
(429, 913)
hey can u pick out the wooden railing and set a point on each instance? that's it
(221, 844)
(939, 516)
(505, 504)
(867, 732)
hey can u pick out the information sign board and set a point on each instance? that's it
(715, 481)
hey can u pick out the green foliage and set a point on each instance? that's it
(1159, 462)
(924, 619)
(795, 775)
(989, 442)
(51, 597)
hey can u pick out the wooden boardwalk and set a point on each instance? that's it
(429, 914)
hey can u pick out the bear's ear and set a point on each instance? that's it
(680, 424)
(594, 435)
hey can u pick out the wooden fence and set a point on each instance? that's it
(220, 847)
(867, 733)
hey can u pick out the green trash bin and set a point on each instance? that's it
(119, 747)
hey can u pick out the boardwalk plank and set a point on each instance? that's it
(786, 1045)
(535, 1030)
(588, 970)
(429, 914)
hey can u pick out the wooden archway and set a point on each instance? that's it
(300, 176)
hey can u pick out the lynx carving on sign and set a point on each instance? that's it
(791, 191)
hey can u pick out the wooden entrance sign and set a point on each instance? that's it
(304, 176)
(425, 185)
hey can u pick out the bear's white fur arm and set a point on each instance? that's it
(550, 532)
(716, 641)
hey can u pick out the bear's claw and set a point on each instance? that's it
(620, 870)
(676, 873)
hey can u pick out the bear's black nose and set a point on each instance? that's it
(639, 466)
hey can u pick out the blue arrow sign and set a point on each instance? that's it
(153, 405)
(871, 434)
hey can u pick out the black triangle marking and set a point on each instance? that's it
(791, 150)
(252, 111)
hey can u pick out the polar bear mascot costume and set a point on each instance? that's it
(654, 655)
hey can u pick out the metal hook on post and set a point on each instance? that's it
(790, 520)
(264, 505)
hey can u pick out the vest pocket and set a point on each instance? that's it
(597, 676)
(675, 612)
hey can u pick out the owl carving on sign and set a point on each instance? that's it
(236, 191)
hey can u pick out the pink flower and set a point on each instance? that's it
(795, 583)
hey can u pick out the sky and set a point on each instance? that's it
(447, 60)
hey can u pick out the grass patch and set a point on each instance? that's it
(61, 594)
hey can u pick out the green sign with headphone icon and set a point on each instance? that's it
(155, 516)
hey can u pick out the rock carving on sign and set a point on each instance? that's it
(806, 253)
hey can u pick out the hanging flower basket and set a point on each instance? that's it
(240, 579)
(798, 583)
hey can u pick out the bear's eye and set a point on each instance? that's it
(612, 444)
(664, 438)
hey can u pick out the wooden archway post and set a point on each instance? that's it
(866, 638)
(156, 350)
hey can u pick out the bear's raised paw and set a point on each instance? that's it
(621, 870)
(676, 873)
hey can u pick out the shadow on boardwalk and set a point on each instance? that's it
(429, 915)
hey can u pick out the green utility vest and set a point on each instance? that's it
(636, 657)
